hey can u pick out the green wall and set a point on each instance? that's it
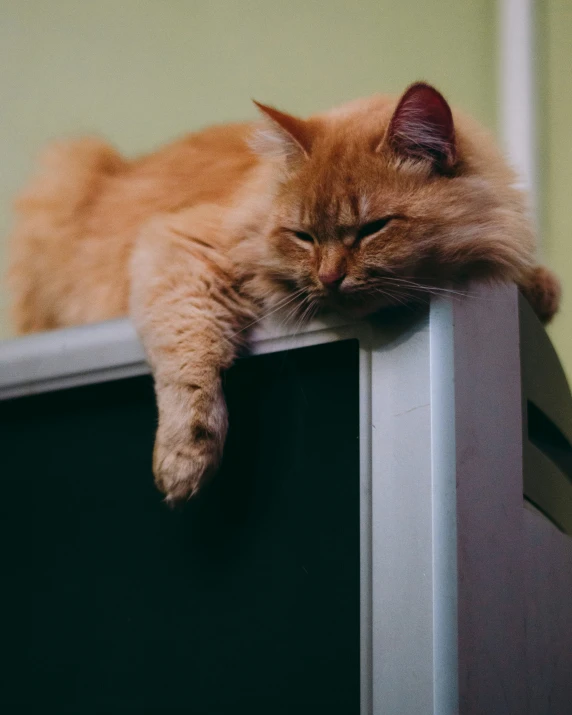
(555, 122)
(140, 72)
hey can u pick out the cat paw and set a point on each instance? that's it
(190, 438)
(543, 292)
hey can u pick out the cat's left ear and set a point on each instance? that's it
(284, 135)
(422, 127)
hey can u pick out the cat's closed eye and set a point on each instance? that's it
(370, 229)
(302, 236)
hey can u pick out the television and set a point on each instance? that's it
(389, 531)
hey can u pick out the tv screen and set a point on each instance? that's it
(244, 601)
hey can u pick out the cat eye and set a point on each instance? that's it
(369, 229)
(303, 236)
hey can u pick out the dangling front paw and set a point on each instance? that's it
(190, 438)
(543, 292)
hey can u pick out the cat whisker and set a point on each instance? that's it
(301, 310)
(391, 295)
(435, 290)
(293, 312)
(309, 312)
(399, 298)
(281, 305)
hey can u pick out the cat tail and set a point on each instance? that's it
(51, 213)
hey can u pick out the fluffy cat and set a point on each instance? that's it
(380, 201)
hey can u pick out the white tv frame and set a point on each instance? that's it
(441, 465)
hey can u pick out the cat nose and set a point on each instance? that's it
(331, 278)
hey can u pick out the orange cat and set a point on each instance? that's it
(379, 201)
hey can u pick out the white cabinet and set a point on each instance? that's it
(464, 586)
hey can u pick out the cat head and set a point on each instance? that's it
(384, 201)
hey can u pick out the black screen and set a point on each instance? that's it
(245, 601)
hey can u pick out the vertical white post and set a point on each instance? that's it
(517, 91)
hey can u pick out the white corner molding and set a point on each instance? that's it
(517, 91)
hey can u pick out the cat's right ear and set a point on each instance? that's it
(282, 135)
(422, 127)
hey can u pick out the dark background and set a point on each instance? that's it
(245, 601)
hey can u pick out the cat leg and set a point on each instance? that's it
(542, 290)
(191, 318)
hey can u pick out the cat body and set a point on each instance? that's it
(381, 201)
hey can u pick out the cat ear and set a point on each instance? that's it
(284, 135)
(422, 127)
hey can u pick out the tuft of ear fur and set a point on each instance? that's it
(422, 128)
(283, 135)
